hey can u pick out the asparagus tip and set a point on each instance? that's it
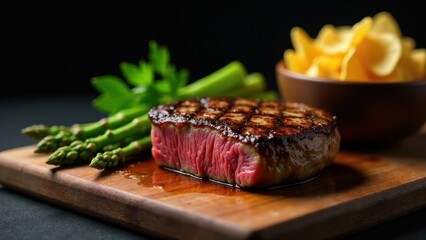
(63, 156)
(35, 131)
(106, 159)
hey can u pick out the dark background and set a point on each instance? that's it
(49, 51)
(56, 47)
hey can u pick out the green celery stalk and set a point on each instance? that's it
(217, 83)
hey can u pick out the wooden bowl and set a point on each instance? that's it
(367, 113)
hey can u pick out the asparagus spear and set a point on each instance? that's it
(79, 151)
(111, 122)
(121, 143)
(113, 158)
(64, 136)
(40, 131)
(52, 142)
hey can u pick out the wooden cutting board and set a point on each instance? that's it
(360, 190)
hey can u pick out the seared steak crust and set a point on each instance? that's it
(283, 135)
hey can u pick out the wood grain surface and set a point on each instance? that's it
(359, 190)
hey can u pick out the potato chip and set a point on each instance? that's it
(352, 67)
(401, 74)
(380, 53)
(293, 62)
(333, 40)
(385, 23)
(327, 34)
(408, 45)
(418, 56)
(406, 68)
(414, 60)
(325, 67)
(411, 67)
(360, 30)
(303, 45)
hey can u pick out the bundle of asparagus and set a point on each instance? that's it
(125, 132)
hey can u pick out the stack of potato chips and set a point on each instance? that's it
(373, 49)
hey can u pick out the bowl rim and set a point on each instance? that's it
(280, 67)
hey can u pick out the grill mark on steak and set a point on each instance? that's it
(249, 121)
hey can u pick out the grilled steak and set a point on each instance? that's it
(243, 142)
